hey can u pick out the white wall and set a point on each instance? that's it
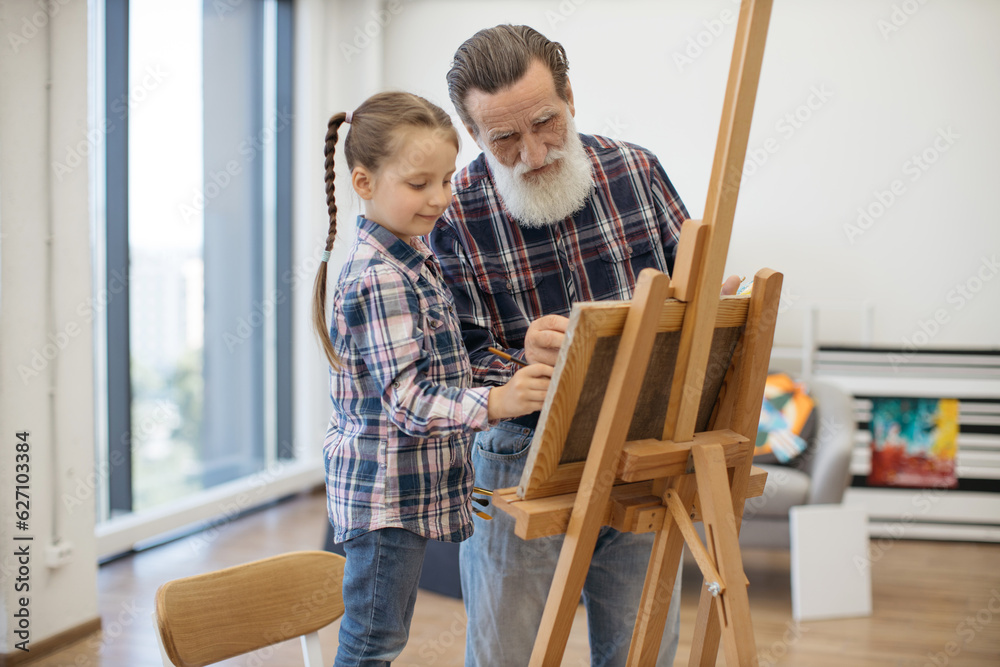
(45, 343)
(883, 84)
(331, 75)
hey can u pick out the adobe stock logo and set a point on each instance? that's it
(363, 35)
(899, 17)
(566, 9)
(958, 296)
(786, 126)
(699, 43)
(914, 167)
(47, 9)
(966, 631)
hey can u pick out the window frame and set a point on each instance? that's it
(118, 527)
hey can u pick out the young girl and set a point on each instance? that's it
(398, 463)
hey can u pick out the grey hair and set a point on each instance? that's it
(496, 58)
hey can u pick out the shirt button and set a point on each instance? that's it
(509, 285)
(572, 267)
(451, 309)
(629, 251)
(395, 384)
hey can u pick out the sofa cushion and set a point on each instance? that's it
(787, 424)
(785, 488)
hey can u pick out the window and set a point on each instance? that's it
(197, 181)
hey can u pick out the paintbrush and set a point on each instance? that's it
(506, 357)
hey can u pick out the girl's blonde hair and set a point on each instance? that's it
(373, 138)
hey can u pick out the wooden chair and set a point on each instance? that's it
(203, 619)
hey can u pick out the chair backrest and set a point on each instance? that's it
(206, 618)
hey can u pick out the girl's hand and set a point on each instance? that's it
(522, 395)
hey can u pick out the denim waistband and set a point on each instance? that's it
(526, 421)
(511, 426)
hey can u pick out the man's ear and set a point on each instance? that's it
(569, 98)
(363, 182)
(475, 138)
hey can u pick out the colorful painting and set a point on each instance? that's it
(914, 442)
(785, 409)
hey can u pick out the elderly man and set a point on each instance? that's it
(542, 218)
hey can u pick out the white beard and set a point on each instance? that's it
(547, 198)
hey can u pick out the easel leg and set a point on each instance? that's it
(705, 647)
(732, 607)
(705, 650)
(658, 588)
(585, 522)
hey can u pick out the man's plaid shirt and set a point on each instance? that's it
(503, 275)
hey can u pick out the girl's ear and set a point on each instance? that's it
(363, 182)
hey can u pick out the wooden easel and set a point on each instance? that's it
(648, 463)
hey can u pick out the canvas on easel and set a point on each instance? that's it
(656, 454)
(653, 478)
(567, 421)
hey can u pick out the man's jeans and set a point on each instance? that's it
(380, 589)
(505, 580)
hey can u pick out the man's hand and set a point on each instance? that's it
(545, 335)
(544, 338)
(730, 285)
(523, 394)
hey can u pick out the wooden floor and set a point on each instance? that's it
(934, 604)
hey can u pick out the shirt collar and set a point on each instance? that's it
(409, 257)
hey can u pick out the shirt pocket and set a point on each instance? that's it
(514, 301)
(440, 343)
(433, 323)
(422, 469)
(497, 280)
(621, 262)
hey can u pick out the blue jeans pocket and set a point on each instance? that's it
(500, 454)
